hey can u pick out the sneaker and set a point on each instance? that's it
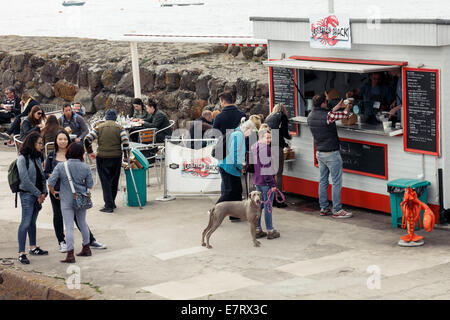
(62, 246)
(342, 214)
(97, 245)
(38, 252)
(273, 234)
(23, 259)
(326, 212)
(260, 234)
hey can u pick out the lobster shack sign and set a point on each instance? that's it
(330, 32)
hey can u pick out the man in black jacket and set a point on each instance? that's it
(10, 108)
(158, 120)
(321, 122)
(228, 119)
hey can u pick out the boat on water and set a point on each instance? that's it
(73, 3)
(169, 3)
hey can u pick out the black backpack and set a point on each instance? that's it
(14, 178)
(220, 150)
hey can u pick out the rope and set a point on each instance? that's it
(277, 199)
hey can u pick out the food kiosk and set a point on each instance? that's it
(307, 56)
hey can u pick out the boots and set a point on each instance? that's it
(85, 252)
(69, 258)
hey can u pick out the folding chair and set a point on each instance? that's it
(49, 147)
(17, 143)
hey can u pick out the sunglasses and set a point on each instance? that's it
(39, 113)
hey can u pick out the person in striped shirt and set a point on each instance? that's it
(112, 140)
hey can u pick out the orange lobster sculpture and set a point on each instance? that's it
(411, 207)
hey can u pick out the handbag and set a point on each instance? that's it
(80, 201)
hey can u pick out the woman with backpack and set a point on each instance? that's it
(33, 192)
(278, 120)
(74, 171)
(58, 155)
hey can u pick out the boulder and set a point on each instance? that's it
(147, 79)
(216, 86)
(85, 97)
(25, 75)
(35, 94)
(7, 78)
(160, 83)
(201, 86)
(65, 90)
(259, 51)
(83, 77)
(36, 61)
(188, 79)
(18, 61)
(234, 50)
(197, 108)
(220, 48)
(46, 90)
(241, 91)
(95, 79)
(58, 101)
(125, 85)
(70, 72)
(247, 52)
(120, 103)
(262, 90)
(6, 62)
(100, 101)
(172, 81)
(48, 73)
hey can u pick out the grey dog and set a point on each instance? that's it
(248, 209)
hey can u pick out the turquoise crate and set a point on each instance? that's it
(140, 177)
(397, 198)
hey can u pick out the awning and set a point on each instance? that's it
(330, 66)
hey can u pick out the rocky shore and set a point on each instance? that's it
(183, 77)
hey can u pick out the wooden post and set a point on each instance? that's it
(135, 68)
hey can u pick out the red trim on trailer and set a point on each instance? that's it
(357, 61)
(352, 197)
(405, 124)
(385, 177)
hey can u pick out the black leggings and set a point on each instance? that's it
(58, 223)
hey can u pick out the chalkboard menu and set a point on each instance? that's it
(284, 91)
(421, 102)
(365, 158)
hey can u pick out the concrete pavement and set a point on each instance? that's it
(155, 253)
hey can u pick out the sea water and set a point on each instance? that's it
(110, 19)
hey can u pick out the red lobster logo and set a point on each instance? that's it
(322, 30)
(201, 167)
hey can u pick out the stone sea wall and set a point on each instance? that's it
(183, 78)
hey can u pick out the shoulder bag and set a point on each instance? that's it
(80, 201)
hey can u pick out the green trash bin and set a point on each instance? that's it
(396, 190)
(140, 177)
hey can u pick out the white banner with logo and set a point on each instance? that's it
(330, 32)
(191, 171)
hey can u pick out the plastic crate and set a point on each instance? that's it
(396, 189)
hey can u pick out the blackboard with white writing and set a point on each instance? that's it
(283, 90)
(361, 157)
(421, 111)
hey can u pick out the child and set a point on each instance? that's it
(264, 180)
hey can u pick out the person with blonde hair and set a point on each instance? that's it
(278, 120)
(256, 120)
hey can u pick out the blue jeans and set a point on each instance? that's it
(267, 215)
(28, 223)
(330, 162)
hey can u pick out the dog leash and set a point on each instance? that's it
(277, 199)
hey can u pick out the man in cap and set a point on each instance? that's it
(112, 141)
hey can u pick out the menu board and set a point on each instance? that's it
(283, 91)
(421, 114)
(362, 157)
